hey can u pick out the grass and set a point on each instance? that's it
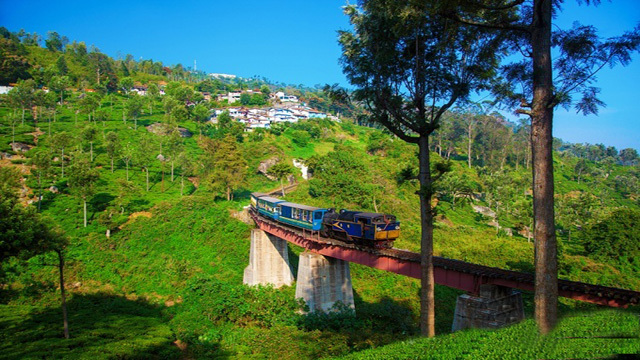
(101, 326)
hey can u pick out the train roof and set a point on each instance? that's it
(349, 215)
(258, 194)
(270, 199)
(369, 214)
(300, 206)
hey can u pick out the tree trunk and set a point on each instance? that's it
(22, 116)
(469, 146)
(62, 294)
(282, 186)
(40, 187)
(112, 164)
(84, 201)
(546, 262)
(427, 298)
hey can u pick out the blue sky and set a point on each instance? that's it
(295, 42)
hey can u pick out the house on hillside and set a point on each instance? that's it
(231, 96)
(313, 114)
(139, 89)
(285, 98)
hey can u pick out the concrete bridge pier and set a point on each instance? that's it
(268, 261)
(323, 281)
(495, 307)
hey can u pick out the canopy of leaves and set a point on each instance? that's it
(223, 165)
(280, 170)
(410, 66)
(339, 175)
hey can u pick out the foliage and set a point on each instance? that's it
(580, 335)
(23, 233)
(223, 165)
(220, 302)
(615, 236)
(339, 176)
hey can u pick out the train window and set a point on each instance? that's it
(318, 216)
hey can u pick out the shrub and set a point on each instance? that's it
(616, 235)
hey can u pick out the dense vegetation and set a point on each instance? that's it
(155, 269)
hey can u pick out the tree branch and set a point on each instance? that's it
(506, 6)
(494, 26)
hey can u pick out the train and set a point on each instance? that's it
(376, 230)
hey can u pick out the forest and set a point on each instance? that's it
(123, 211)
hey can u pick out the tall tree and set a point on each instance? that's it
(61, 141)
(175, 147)
(90, 103)
(89, 134)
(55, 42)
(224, 166)
(82, 178)
(145, 154)
(24, 234)
(134, 109)
(409, 67)
(127, 154)
(280, 171)
(22, 96)
(582, 53)
(61, 65)
(126, 84)
(113, 146)
(59, 84)
(41, 159)
(201, 115)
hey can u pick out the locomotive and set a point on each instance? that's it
(365, 228)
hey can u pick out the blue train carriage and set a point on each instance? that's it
(266, 205)
(371, 228)
(254, 198)
(301, 216)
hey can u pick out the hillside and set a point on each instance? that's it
(166, 282)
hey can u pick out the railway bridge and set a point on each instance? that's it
(492, 296)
